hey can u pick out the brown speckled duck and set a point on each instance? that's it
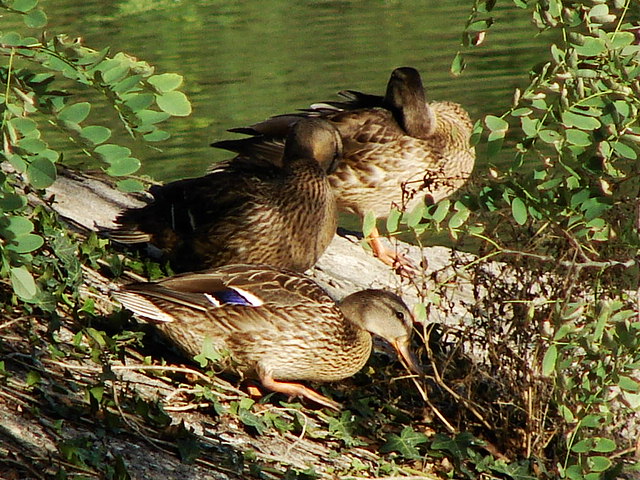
(246, 210)
(277, 325)
(398, 149)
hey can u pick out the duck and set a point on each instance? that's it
(246, 210)
(277, 326)
(399, 150)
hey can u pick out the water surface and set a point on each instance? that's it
(245, 60)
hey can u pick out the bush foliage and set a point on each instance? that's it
(563, 337)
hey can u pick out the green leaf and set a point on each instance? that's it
(604, 445)
(460, 217)
(151, 116)
(23, 283)
(549, 136)
(123, 166)
(529, 126)
(41, 172)
(369, 223)
(24, 125)
(441, 210)
(95, 134)
(75, 113)
(35, 19)
(24, 5)
(156, 136)
(629, 384)
(111, 152)
(393, 219)
(582, 122)
(32, 145)
(16, 226)
(549, 360)
(405, 443)
(26, 243)
(598, 463)
(577, 137)
(521, 112)
(12, 201)
(496, 124)
(592, 47)
(413, 217)
(130, 185)
(583, 446)
(139, 101)
(625, 151)
(174, 103)
(166, 82)
(33, 378)
(519, 211)
(458, 64)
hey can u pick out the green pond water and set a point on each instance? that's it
(243, 61)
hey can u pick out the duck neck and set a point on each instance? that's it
(412, 112)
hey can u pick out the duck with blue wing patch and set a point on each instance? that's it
(277, 325)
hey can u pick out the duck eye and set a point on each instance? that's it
(400, 316)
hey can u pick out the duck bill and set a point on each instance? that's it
(409, 360)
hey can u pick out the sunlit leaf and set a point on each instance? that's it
(604, 445)
(405, 444)
(414, 217)
(549, 136)
(521, 112)
(583, 122)
(139, 101)
(577, 137)
(460, 217)
(174, 103)
(123, 166)
(598, 463)
(23, 283)
(14, 226)
(529, 126)
(111, 152)
(549, 360)
(625, 151)
(26, 243)
(24, 125)
(369, 223)
(458, 64)
(152, 116)
(592, 47)
(166, 82)
(629, 384)
(441, 211)
(519, 211)
(393, 219)
(496, 124)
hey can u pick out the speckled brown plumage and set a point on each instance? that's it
(277, 325)
(399, 150)
(246, 210)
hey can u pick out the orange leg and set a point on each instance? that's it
(396, 260)
(297, 390)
